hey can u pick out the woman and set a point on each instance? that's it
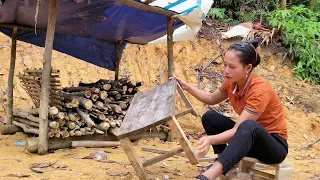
(260, 131)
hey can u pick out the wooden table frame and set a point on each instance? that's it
(136, 162)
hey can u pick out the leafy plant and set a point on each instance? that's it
(218, 13)
(301, 28)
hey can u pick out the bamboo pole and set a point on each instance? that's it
(117, 60)
(45, 84)
(145, 7)
(11, 74)
(170, 46)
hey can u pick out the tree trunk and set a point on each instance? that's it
(86, 118)
(95, 144)
(26, 128)
(312, 4)
(9, 129)
(283, 4)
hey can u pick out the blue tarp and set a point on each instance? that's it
(84, 30)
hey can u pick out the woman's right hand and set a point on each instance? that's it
(184, 85)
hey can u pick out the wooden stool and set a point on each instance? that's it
(283, 171)
(149, 109)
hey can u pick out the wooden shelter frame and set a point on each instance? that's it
(45, 84)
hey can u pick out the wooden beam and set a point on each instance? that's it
(45, 84)
(11, 74)
(183, 140)
(145, 7)
(162, 157)
(117, 60)
(133, 158)
(170, 46)
(20, 27)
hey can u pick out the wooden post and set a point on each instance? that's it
(170, 46)
(11, 75)
(45, 84)
(117, 60)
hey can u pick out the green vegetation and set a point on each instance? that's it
(299, 25)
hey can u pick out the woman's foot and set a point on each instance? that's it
(202, 177)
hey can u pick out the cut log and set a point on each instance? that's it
(86, 103)
(99, 104)
(61, 122)
(9, 129)
(86, 94)
(117, 97)
(97, 131)
(114, 130)
(77, 89)
(107, 101)
(113, 93)
(70, 125)
(53, 111)
(94, 97)
(61, 115)
(104, 126)
(86, 118)
(59, 143)
(101, 117)
(115, 108)
(112, 123)
(72, 116)
(103, 95)
(53, 125)
(122, 104)
(26, 121)
(64, 134)
(94, 144)
(26, 128)
(78, 133)
(106, 87)
(26, 116)
(51, 134)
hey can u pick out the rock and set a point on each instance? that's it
(165, 177)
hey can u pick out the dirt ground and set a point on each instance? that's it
(149, 65)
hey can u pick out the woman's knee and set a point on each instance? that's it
(209, 116)
(249, 124)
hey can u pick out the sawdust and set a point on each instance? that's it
(149, 65)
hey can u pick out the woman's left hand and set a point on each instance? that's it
(204, 144)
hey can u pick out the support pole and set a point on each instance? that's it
(117, 60)
(11, 74)
(170, 46)
(45, 84)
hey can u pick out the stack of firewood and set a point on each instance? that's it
(90, 108)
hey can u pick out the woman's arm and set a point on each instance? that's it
(206, 97)
(224, 137)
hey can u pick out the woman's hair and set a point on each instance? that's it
(247, 52)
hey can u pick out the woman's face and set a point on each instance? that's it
(234, 70)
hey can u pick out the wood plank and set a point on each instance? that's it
(133, 158)
(184, 142)
(162, 157)
(149, 108)
(261, 173)
(159, 151)
(186, 100)
(190, 110)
